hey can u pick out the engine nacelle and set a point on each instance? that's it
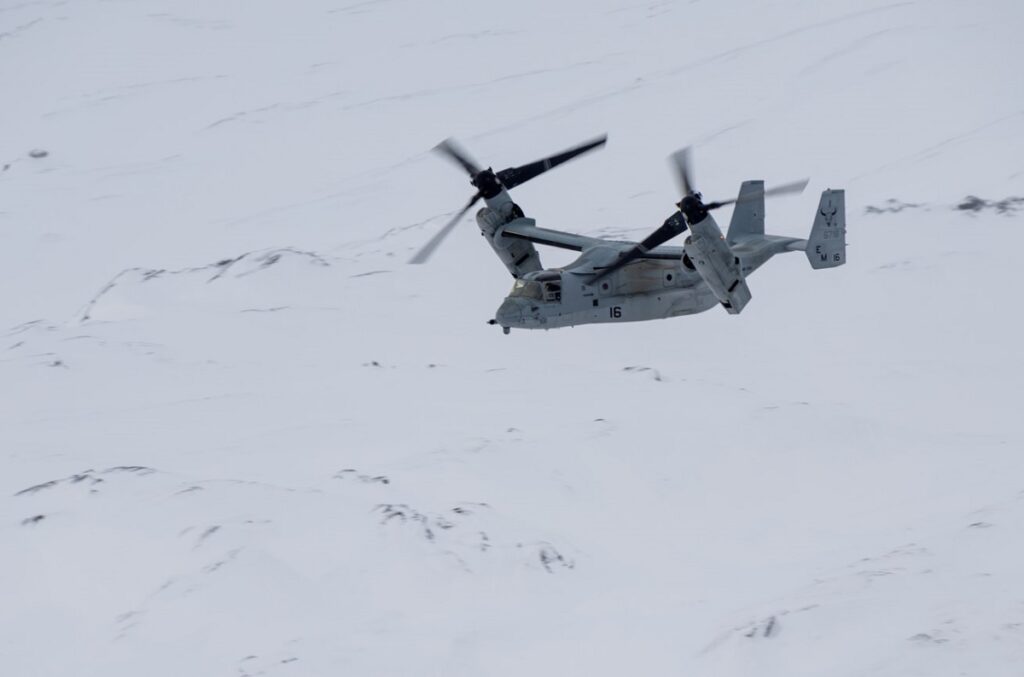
(715, 262)
(519, 256)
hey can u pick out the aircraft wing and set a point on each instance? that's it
(664, 252)
(525, 230)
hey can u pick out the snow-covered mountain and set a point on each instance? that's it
(241, 436)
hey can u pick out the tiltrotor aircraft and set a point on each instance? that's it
(618, 281)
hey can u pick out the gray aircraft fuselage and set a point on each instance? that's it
(643, 290)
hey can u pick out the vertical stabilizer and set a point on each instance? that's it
(748, 214)
(826, 246)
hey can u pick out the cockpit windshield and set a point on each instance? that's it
(528, 289)
(549, 291)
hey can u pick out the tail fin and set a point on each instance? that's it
(748, 215)
(826, 246)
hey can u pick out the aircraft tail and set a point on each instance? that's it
(748, 214)
(826, 245)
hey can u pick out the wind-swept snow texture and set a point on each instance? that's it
(239, 435)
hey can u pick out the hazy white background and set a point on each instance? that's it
(240, 436)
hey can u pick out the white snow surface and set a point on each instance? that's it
(239, 435)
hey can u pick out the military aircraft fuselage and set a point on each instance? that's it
(643, 290)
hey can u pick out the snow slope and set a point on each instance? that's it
(240, 436)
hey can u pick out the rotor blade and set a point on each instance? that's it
(793, 187)
(423, 254)
(681, 163)
(515, 176)
(674, 225)
(455, 152)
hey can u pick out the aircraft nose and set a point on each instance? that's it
(510, 313)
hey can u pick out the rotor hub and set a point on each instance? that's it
(487, 183)
(693, 208)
